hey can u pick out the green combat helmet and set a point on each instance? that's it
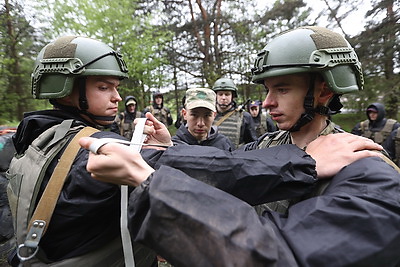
(67, 58)
(225, 84)
(312, 50)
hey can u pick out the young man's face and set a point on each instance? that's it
(372, 115)
(199, 121)
(158, 100)
(224, 98)
(285, 98)
(102, 96)
(131, 108)
(254, 111)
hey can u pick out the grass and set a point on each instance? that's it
(348, 121)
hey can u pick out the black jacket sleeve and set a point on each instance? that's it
(256, 176)
(355, 222)
(356, 129)
(247, 130)
(390, 144)
(190, 223)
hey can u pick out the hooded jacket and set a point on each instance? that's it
(379, 129)
(123, 123)
(215, 139)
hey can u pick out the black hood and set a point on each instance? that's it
(380, 120)
(35, 123)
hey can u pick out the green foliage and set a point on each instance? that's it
(18, 45)
(121, 25)
(348, 121)
(159, 43)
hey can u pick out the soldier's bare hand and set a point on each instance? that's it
(335, 151)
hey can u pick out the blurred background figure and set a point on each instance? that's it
(376, 127)
(158, 109)
(179, 118)
(262, 121)
(123, 123)
(232, 120)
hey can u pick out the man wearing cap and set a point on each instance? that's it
(376, 127)
(262, 122)
(199, 113)
(123, 123)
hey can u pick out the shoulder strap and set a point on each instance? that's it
(389, 125)
(227, 115)
(44, 210)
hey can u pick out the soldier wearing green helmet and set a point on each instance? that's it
(304, 83)
(80, 76)
(232, 120)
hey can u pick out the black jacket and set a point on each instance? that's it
(355, 222)
(215, 139)
(87, 213)
(378, 124)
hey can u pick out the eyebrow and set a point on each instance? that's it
(279, 84)
(104, 80)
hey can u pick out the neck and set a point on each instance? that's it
(309, 132)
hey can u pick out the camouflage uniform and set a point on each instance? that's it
(124, 122)
(282, 138)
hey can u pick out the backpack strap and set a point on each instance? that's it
(227, 115)
(44, 210)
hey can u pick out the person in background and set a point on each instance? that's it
(179, 118)
(123, 123)
(158, 109)
(392, 146)
(232, 120)
(199, 113)
(376, 127)
(7, 150)
(262, 122)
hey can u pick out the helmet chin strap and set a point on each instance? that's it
(226, 105)
(310, 111)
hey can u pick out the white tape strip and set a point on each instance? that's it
(136, 141)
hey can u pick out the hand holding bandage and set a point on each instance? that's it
(116, 163)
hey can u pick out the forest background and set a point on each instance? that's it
(172, 45)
